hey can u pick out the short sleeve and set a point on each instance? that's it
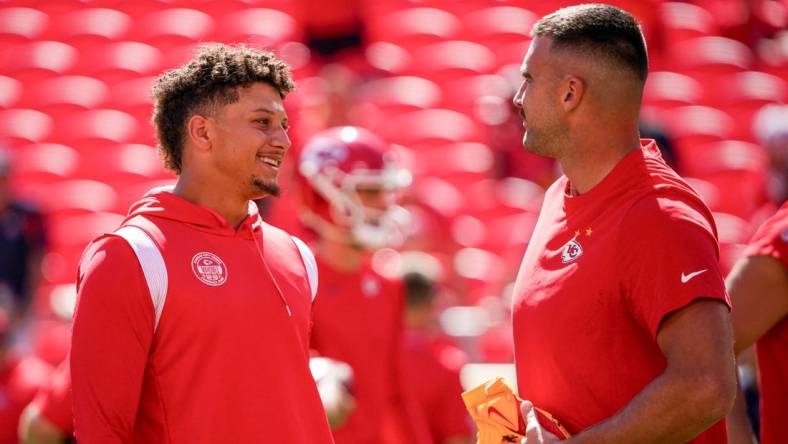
(670, 258)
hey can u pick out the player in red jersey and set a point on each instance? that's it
(620, 315)
(20, 378)
(49, 418)
(758, 285)
(349, 195)
(192, 319)
(432, 366)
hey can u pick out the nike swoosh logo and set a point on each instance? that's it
(686, 277)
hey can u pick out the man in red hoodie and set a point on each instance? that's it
(192, 319)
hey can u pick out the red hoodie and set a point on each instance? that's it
(225, 359)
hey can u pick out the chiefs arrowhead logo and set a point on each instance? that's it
(571, 251)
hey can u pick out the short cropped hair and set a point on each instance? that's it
(210, 79)
(600, 31)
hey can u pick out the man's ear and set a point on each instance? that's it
(198, 130)
(573, 90)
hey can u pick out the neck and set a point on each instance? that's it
(341, 256)
(231, 206)
(590, 160)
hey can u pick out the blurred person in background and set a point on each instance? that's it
(620, 314)
(758, 287)
(349, 193)
(20, 378)
(771, 126)
(49, 418)
(22, 245)
(192, 320)
(432, 367)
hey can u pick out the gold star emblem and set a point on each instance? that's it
(577, 233)
(588, 231)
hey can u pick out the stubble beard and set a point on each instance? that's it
(268, 186)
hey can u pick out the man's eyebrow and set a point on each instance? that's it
(263, 110)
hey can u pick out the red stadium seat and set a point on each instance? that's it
(75, 197)
(669, 89)
(399, 94)
(734, 233)
(737, 169)
(42, 163)
(172, 27)
(461, 94)
(67, 93)
(743, 94)
(21, 126)
(100, 124)
(130, 194)
(684, 21)
(451, 60)
(80, 229)
(262, 27)
(121, 61)
(499, 25)
(37, 60)
(510, 53)
(691, 126)
(10, 91)
(133, 97)
(121, 165)
(707, 191)
(459, 164)
(415, 27)
(20, 24)
(432, 127)
(725, 156)
(711, 55)
(388, 57)
(90, 24)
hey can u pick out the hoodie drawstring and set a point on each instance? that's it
(270, 274)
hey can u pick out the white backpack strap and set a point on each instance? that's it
(152, 264)
(309, 263)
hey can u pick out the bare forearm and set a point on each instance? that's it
(666, 411)
(739, 428)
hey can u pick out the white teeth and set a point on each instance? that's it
(270, 161)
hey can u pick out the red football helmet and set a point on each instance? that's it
(350, 185)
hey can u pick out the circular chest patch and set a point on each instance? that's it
(209, 269)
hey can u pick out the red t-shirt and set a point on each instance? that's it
(432, 370)
(54, 400)
(772, 349)
(602, 271)
(357, 320)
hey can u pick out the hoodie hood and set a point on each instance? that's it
(161, 203)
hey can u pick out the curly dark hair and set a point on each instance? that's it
(602, 31)
(210, 79)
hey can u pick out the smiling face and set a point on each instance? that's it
(538, 100)
(249, 140)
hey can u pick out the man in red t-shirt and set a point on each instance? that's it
(758, 285)
(192, 319)
(620, 315)
(350, 185)
(20, 378)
